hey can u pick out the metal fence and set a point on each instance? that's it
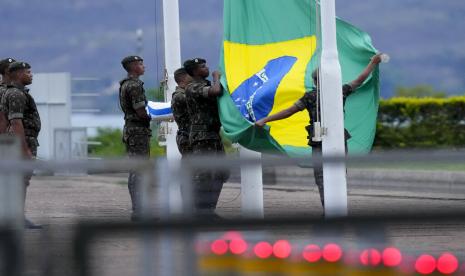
(161, 198)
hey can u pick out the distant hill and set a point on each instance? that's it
(89, 38)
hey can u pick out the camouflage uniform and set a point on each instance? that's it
(181, 116)
(205, 140)
(309, 102)
(19, 104)
(3, 88)
(136, 132)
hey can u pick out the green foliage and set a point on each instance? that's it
(419, 91)
(112, 145)
(421, 123)
(155, 94)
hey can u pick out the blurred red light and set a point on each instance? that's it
(263, 250)
(238, 246)
(219, 247)
(447, 263)
(392, 257)
(332, 253)
(425, 264)
(282, 249)
(312, 253)
(370, 257)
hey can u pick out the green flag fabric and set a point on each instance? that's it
(270, 49)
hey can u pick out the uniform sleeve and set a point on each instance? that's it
(175, 102)
(198, 90)
(307, 99)
(16, 104)
(137, 96)
(300, 104)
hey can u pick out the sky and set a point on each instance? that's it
(89, 38)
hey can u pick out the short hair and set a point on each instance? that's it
(180, 74)
(191, 64)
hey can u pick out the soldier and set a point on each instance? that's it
(309, 102)
(24, 120)
(201, 97)
(136, 133)
(180, 112)
(3, 86)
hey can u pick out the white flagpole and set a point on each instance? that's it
(172, 43)
(251, 186)
(334, 174)
(172, 62)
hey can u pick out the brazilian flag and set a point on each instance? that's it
(270, 50)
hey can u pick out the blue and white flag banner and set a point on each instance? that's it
(160, 111)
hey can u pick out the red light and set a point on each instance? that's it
(332, 253)
(312, 253)
(370, 257)
(263, 250)
(238, 246)
(425, 264)
(392, 257)
(219, 247)
(282, 249)
(447, 263)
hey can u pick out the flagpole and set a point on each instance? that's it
(172, 62)
(334, 174)
(172, 43)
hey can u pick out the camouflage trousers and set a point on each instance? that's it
(318, 171)
(207, 183)
(184, 146)
(137, 145)
(32, 144)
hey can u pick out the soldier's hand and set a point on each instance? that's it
(216, 75)
(376, 59)
(260, 123)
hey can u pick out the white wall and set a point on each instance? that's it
(52, 94)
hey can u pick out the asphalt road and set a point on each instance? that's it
(59, 202)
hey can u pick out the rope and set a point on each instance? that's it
(318, 84)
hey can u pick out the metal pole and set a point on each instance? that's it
(172, 63)
(12, 205)
(11, 186)
(140, 41)
(251, 185)
(334, 174)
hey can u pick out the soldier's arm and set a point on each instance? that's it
(375, 60)
(286, 113)
(3, 122)
(17, 128)
(16, 102)
(138, 102)
(215, 90)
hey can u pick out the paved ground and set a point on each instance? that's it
(59, 202)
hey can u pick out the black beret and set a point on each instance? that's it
(18, 65)
(191, 64)
(195, 61)
(130, 59)
(4, 63)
